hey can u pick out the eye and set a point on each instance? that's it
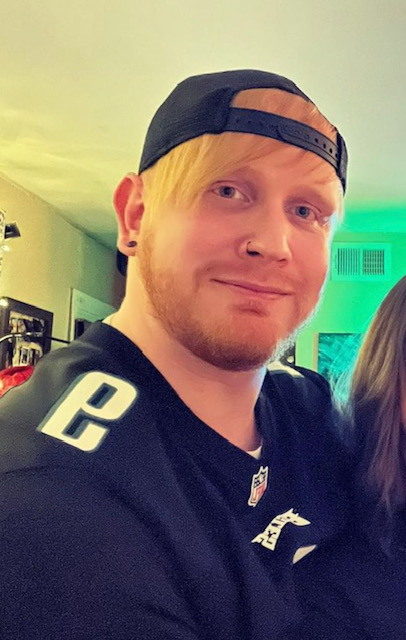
(312, 216)
(228, 192)
(304, 212)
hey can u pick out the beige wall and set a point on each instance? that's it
(51, 257)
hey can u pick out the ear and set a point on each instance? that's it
(129, 206)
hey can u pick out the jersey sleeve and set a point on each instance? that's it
(68, 568)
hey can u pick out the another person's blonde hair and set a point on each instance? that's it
(378, 387)
(192, 166)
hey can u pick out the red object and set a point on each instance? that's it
(14, 376)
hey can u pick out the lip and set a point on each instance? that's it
(253, 287)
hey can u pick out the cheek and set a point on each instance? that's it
(314, 261)
(170, 242)
(206, 242)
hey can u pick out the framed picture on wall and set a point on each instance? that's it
(336, 354)
(27, 328)
(289, 356)
(84, 310)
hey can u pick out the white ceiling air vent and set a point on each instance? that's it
(364, 262)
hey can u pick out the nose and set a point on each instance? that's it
(268, 236)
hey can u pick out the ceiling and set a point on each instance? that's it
(80, 81)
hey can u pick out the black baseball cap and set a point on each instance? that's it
(203, 105)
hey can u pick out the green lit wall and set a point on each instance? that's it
(349, 306)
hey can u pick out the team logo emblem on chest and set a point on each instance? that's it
(270, 536)
(259, 485)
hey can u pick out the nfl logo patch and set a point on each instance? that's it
(259, 485)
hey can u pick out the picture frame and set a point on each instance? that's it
(85, 310)
(18, 317)
(336, 353)
(289, 356)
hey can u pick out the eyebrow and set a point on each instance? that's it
(325, 202)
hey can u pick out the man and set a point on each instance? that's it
(156, 481)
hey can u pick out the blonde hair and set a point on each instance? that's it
(191, 167)
(378, 384)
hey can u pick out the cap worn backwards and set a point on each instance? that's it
(203, 104)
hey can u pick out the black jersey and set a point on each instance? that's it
(355, 586)
(353, 589)
(123, 515)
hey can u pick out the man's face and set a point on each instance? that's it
(228, 305)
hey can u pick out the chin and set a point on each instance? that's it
(232, 360)
(235, 355)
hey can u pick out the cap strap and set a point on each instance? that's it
(290, 131)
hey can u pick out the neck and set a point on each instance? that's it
(224, 400)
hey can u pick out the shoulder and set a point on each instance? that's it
(77, 395)
(303, 402)
(299, 386)
(53, 377)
